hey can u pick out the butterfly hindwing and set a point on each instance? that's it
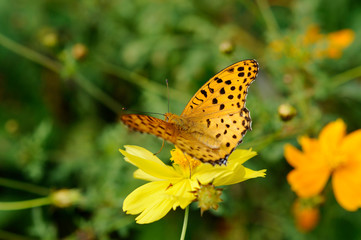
(217, 142)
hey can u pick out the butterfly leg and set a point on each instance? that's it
(189, 165)
(160, 148)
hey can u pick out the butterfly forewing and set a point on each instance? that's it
(225, 92)
(152, 125)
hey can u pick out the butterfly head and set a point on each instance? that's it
(177, 120)
(169, 117)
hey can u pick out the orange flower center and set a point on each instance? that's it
(336, 159)
(183, 160)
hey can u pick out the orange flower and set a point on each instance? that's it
(333, 154)
(338, 41)
(312, 35)
(312, 44)
(330, 45)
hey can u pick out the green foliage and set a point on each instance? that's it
(59, 108)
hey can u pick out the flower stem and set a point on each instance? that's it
(269, 18)
(185, 223)
(9, 206)
(346, 76)
(23, 186)
(57, 67)
(142, 82)
(29, 54)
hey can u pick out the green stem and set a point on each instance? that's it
(9, 206)
(97, 93)
(30, 54)
(346, 76)
(143, 82)
(269, 18)
(185, 223)
(24, 186)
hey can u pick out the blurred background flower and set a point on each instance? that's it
(334, 154)
(307, 213)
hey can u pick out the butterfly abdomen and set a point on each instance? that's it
(151, 125)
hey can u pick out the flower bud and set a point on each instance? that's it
(208, 197)
(306, 213)
(11, 126)
(48, 37)
(286, 112)
(65, 197)
(79, 51)
(226, 47)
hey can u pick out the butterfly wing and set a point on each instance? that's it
(218, 111)
(151, 125)
(227, 87)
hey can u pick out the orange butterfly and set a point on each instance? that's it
(215, 119)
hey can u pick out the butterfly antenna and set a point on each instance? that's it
(140, 112)
(166, 82)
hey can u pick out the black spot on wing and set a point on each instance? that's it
(204, 92)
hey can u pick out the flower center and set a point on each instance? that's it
(183, 160)
(336, 159)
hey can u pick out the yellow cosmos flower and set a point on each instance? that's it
(333, 153)
(173, 186)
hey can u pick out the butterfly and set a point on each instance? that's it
(214, 121)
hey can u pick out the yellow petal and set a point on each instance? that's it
(309, 145)
(307, 183)
(182, 193)
(155, 199)
(346, 184)
(294, 156)
(241, 156)
(144, 196)
(254, 174)
(207, 173)
(152, 167)
(142, 153)
(332, 135)
(352, 142)
(159, 208)
(140, 174)
(233, 172)
(231, 175)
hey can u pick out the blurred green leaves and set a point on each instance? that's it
(32, 156)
